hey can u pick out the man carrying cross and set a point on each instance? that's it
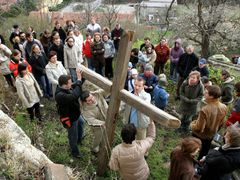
(132, 115)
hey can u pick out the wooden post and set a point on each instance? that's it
(119, 78)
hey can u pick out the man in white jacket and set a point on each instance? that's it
(132, 115)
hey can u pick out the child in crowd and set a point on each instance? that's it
(160, 94)
(131, 79)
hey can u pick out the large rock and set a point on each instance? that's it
(18, 148)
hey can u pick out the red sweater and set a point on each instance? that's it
(162, 53)
(14, 67)
(87, 48)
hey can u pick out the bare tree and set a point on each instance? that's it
(110, 12)
(205, 24)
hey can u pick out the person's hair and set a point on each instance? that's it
(139, 78)
(46, 31)
(28, 34)
(225, 73)
(214, 91)
(57, 22)
(106, 29)
(54, 33)
(15, 26)
(71, 30)
(21, 67)
(128, 133)
(189, 47)
(51, 54)
(96, 34)
(190, 145)
(15, 52)
(105, 34)
(85, 95)
(69, 37)
(234, 135)
(63, 80)
(88, 34)
(21, 33)
(147, 38)
(237, 86)
(31, 28)
(204, 79)
(33, 47)
(195, 73)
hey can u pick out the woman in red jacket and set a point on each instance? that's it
(87, 54)
(16, 59)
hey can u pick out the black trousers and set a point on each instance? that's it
(206, 145)
(108, 67)
(157, 67)
(34, 110)
(9, 78)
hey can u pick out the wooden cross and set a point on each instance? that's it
(119, 94)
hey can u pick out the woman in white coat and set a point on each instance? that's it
(54, 69)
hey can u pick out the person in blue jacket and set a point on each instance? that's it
(160, 94)
(151, 80)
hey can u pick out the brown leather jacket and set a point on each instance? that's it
(210, 119)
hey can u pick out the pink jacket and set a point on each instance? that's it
(129, 159)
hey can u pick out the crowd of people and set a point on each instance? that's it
(48, 67)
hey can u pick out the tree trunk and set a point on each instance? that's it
(205, 46)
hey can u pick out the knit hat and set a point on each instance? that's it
(148, 67)
(134, 71)
(130, 65)
(202, 61)
(162, 80)
(22, 67)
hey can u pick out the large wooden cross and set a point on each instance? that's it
(118, 94)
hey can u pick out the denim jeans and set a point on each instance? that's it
(173, 71)
(73, 74)
(185, 122)
(90, 65)
(75, 134)
(44, 84)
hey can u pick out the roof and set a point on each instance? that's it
(156, 3)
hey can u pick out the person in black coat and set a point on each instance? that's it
(220, 163)
(38, 61)
(187, 62)
(57, 46)
(61, 32)
(67, 96)
(116, 35)
(15, 32)
(202, 68)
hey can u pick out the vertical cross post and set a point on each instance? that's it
(119, 78)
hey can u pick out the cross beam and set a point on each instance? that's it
(118, 94)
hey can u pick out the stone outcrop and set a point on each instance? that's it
(17, 147)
